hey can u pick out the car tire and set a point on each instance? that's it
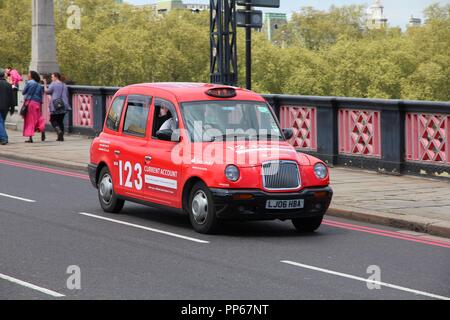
(305, 225)
(106, 195)
(202, 213)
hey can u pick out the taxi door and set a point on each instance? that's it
(162, 176)
(131, 147)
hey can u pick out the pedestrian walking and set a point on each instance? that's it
(6, 105)
(59, 104)
(33, 96)
(14, 78)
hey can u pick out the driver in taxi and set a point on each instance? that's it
(165, 119)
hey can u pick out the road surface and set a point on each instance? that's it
(52, 224)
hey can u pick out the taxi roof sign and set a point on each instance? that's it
(222, 92)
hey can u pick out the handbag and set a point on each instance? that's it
(24, 108)
(58, 104)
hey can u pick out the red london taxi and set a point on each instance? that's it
(211, 151)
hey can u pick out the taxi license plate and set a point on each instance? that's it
(285, 204)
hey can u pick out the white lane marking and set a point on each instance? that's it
(144, 228)
(31, 286)
(17, 198)
(392, 286)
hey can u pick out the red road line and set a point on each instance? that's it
(45, 169)
(396, 233)
(330, 223)
(381, 233)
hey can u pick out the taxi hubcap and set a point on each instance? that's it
(106, 188)
(200, 207)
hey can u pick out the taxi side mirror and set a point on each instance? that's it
(168, 135)
(288, 133)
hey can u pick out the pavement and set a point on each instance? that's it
(418, 204)
(57, 243)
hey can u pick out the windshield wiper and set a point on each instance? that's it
(229, 135)
(249, 137)
(268, 136)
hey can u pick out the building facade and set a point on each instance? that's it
(164, 6)
(272, 23)
(375, 16)
(196, 7)
(414, 22)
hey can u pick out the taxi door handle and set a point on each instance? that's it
(117, 152)
(148, 158)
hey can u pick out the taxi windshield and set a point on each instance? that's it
(229, 120)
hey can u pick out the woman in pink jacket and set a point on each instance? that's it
(14, 78)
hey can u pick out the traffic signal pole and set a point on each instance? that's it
(223, 66)
(223, 37)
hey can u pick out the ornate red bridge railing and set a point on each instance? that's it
(394, 136)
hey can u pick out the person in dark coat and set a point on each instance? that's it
(6, 105)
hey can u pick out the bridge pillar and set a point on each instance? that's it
(43, 43)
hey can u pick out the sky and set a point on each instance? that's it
(398, 12)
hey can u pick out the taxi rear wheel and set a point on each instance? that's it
(307, 224)
(106, 195)
(201, 209)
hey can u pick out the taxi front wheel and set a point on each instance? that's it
(307, 224)
(108, 199)
(201, 209)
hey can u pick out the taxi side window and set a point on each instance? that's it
(136, 116)
(115, 113)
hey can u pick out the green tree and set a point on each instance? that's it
(430, 77)
(15, 34)
(430, 81)
(271, 66)
(317, 53)
(314, 29)
(309, 73)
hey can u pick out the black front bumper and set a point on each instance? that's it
(316, 203)
(92, 170)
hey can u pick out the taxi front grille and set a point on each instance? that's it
(280, 175)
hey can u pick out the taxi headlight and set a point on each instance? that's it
(232, 173)
(321, 171)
